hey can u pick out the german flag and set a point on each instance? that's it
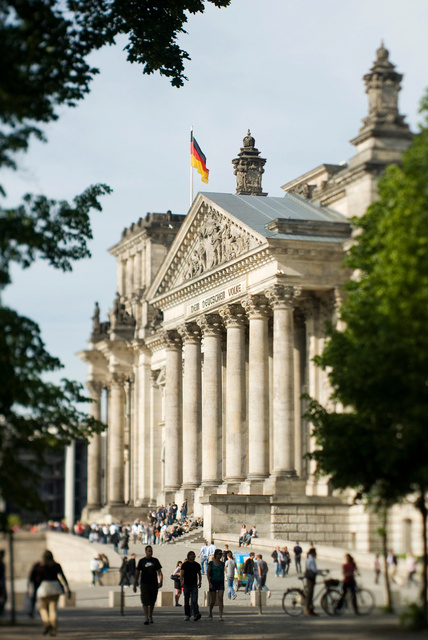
(198, 159)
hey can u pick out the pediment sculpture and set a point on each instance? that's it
(217, 241)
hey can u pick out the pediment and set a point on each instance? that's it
(212, 238)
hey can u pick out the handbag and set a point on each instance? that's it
(50, 588)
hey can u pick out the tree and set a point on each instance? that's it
(44, 45)
(378, 365)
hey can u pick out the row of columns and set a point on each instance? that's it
(182, 421)
(193, 424)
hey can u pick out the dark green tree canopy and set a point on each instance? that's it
(44, 46)
(378, 364)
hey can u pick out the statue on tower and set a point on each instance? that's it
(382, 87)
(249, 169)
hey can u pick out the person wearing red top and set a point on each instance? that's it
(349, 570)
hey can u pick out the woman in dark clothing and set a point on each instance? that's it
(53, 582)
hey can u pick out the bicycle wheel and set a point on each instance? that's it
(366, 602)
(329, 602)
(293, 602)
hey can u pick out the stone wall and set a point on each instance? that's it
(319, 523)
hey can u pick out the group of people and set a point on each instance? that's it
(187, 578)
(246, 537)
(99, 565)
(161, 526)
(282, 559)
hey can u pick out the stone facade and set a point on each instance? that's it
(210, 345)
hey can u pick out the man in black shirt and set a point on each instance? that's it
(191, 579)
(151, 580)
(298, 557)
(248, 570)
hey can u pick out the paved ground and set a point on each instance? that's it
(94, 624)
(93, 620)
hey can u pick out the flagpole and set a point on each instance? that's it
(191, 168)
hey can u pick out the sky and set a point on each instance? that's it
(288, 70)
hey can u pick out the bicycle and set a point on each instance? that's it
(293, 600)
(365, 602)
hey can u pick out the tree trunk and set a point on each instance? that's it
(421, 505)
(389, 604)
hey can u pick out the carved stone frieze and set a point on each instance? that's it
(217, 240)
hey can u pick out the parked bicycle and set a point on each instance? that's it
(293, 600)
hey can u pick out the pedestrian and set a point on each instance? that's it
(311, 573)
(124, 545)
(298, 557)
(176, 576)
(96, 571)
(34, 580)
(411, 569)
(392, 563)
(285, 561)
(183, 511)
(203, 554)
(3, 592)
(224, 553)
(248, 570)
(52, 585)
(242, 535)
(230, 566)
(123, 573)
(377, 569)
(276, 562)
(216, 583)
(349, 584)
(262, 569)
(211, 550)
(151, 581)
(191, 580)
(132, 567)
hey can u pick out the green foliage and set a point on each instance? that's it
(414, 618)
(44, 45)
(37, 417)
(377, 365)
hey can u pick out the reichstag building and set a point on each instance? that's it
(209, 346)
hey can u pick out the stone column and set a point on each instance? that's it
(258, 387)
(94, 449)
(310, 309)
(235, 322)
(191, 337)
(70, 484)
(116, 474)
(212, 329)
(173, 411)
(281, 299)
